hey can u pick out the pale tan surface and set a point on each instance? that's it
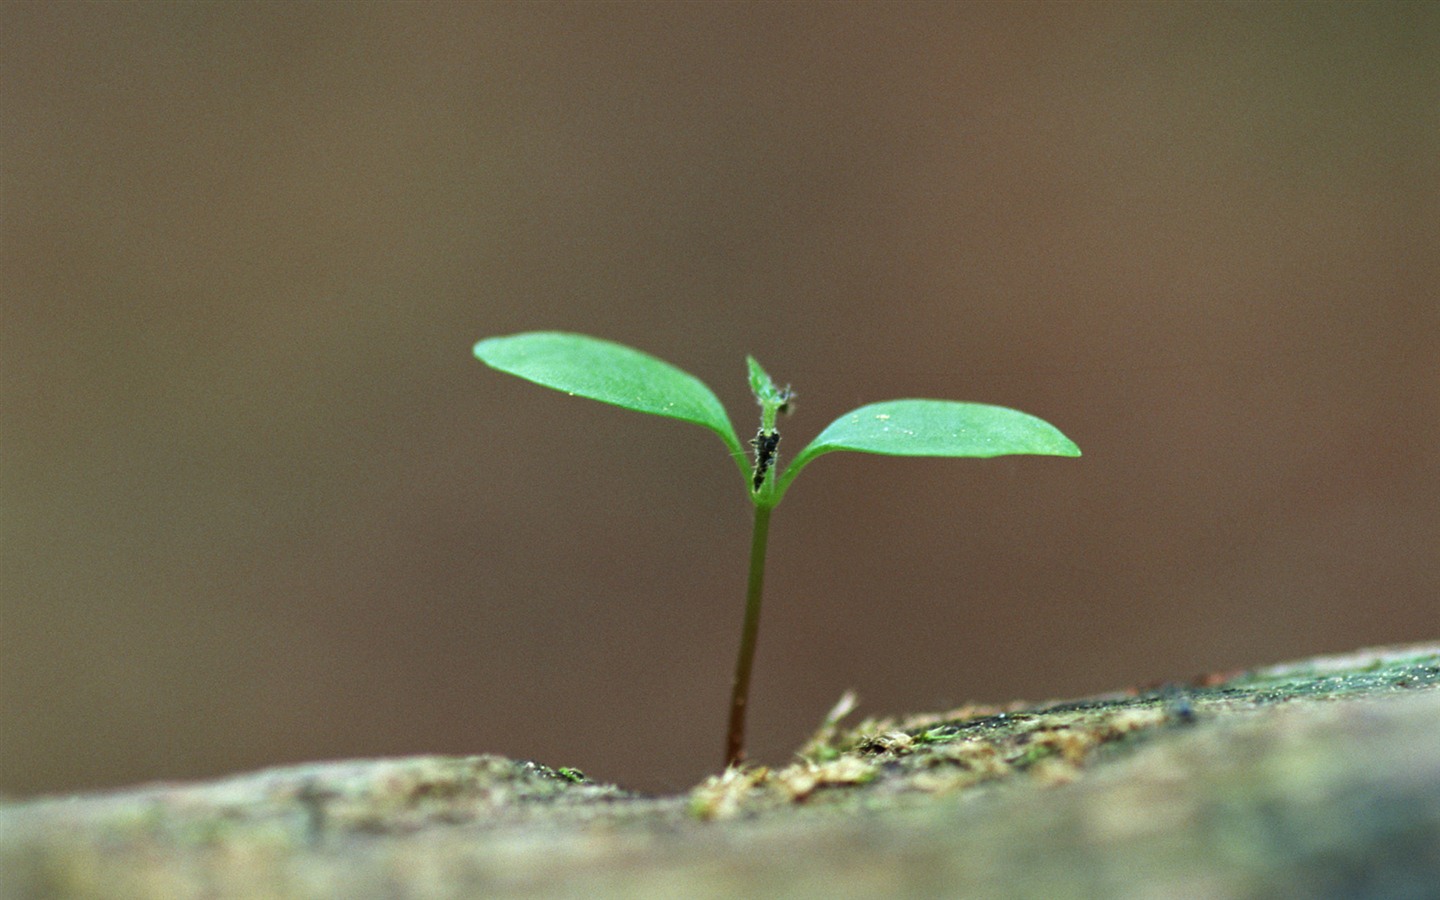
(1313, 780)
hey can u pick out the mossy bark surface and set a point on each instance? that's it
(1313, 779)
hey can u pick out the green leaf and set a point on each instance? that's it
(766, 394)
(935, 428)
(584, 366)
(761, 384)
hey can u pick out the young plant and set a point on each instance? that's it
(613, 373)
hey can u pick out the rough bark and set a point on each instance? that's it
(1314, 779)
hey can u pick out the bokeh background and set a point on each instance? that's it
(261, 505)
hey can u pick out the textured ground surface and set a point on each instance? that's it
(1314, 779)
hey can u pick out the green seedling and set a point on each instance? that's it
(584, 366)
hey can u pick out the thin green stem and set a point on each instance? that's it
(740, 695)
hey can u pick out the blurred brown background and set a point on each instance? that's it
(261, 505)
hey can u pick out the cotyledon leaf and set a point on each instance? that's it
(611, 373)
(935, 428)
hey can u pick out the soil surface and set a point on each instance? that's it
(1313, 779)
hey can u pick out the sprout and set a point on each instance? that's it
(601, 370)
